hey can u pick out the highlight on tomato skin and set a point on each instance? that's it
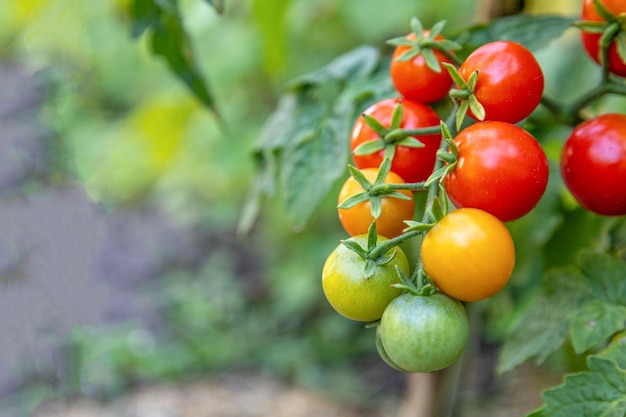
(593, 164)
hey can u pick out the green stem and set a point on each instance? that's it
(386, 187)
(399, 134)
(604, 88)
(383, 247)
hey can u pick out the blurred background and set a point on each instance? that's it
(120, 198)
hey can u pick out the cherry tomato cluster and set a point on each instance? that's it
(489, 172)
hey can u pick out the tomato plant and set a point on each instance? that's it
(510, 81)
(411, 163)
(423, 333)
(591, 41)
(593, 164)
(351, 292)
(357, 219)
(482, 250)
(413, 77)
(501, 169)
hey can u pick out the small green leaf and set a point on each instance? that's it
(606, 275)
(396, 116)
(461, 113)
(417, 226)
(409, 54)
(454, 74)
(476, 108)
(620, 41)
(534, 31)
(383, 171)
(431, 60)
(355, 247)
(604, 13)
(435, 176)
(595, 323)
(370, 268)
(390, 151)
(353, 200)
(372, 237)
(370, 147)
(591, 27)
(436, 29)
(375, 125)
(397, 194)
(359, 177)
(436, 210)
(376, 207)
(386, 258)
(544, 327)
(417, 28)
(601, 392)
(355, 64)
(411, 142)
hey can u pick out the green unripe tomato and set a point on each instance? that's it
(424, 333)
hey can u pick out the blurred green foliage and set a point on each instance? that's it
(133, 136)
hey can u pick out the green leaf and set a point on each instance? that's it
(620, 41)
(373, 123)
(595, 323)
(170, 41)
(383, 171)
(355, 247)
(545, 326)
(431, 60)
(359, 177)
(606, 275)
(410, 142)
(601, 392)
(476, 107)
(145, 14)
(534, 31)
(218, 5)
(370, 147)
(354, 64)
(312, 163)
(375, 206)
(353, 200)
(270, 18)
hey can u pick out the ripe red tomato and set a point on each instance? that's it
(357, 219)
(415, 80)
(593, 164)
(501, 169)
(591, 41)
(412, 164)
(510, 81)
(469, 254)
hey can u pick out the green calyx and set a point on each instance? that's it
(464, 93)
(612, 29)
(425, 43)
(392, 136)
(376, 191)
(375, 254)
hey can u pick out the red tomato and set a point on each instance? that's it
(412, 164)
(510, 81)
(415, 80)
(593, 164)
(501, 169)
(591, 41)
